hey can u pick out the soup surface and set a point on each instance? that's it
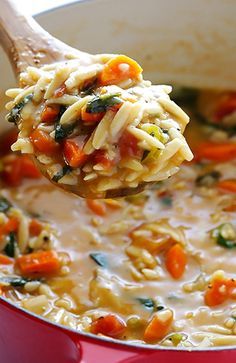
(157, 268)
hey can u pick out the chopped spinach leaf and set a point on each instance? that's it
(148, 303)
(65, 170)
(99, 258)
(225, 243)
(14, 114)
(208, 179)
(11, 245)
(167, 200)
(15, 281)
(61, 132)
(103, 103)
(224, 235)
(5, 205)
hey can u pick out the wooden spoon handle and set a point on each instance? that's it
(26, 42)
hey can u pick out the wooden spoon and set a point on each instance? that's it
(27, 43)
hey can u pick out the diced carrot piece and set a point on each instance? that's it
(176, 261)
(96, 207)
(12, 225)
(119, 69)
(99, 157)
(35, 227)
(219, 290)
(50, 114)
(12, 172)
(43, 142)
(228, 186)
(28, 168)
(110, 325)
(42, 263)
(5, 260)
(91, 117)
(221, 152)
(159, 326)
(74, 154)
(60, 91)
(18, 167)
(225, 106)
(128, 146)
(231, 207)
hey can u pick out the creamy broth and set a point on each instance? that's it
(124, 285)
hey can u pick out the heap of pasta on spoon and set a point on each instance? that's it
(98, 130)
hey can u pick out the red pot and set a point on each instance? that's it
(131, 27)
(27, 338)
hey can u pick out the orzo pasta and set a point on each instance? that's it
(100, 128)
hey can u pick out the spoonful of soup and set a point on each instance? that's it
(95, 127)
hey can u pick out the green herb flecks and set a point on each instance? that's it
(14, 114)
(149, 303)
(15, 281)
(62, 132)
(11, 245)
(157, 133)
(5, 205)
(103, 103)
(167, 200)
(224, 235)
(99, 258)
(64, 171)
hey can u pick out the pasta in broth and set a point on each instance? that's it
(155, 268)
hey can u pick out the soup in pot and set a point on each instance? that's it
(154, 268)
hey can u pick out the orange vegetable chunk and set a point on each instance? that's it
(119, 69)
(42, 263)
(159, 326)
(96, 207)
(35, 227)
(221, 152)
(74, 154)
(50, 114)
(91, 117)
(176, 261)
(219, 290)
(228, 186)
(5, 260)
(43, 142)
(110, 325)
